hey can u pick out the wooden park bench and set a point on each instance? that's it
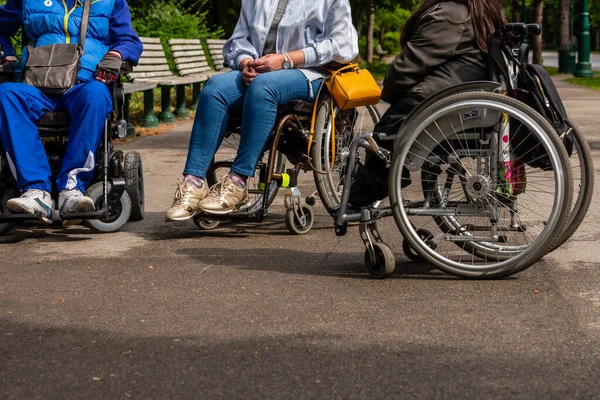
(190, 60)
(134, 87)
(380, 51)
(215, 49)
(154, 68)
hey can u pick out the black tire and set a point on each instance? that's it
(134, 184)
(205, 224)
(583, 185)
(384, 265)
(349, 124)
(117, 220)
(7, 226)
(297, 227)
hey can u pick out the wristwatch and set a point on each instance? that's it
(287, 63)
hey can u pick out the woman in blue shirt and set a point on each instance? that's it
(273, 52)
(110, 39)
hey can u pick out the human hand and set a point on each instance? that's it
(268, 63)
(248, 74)
(108, 68)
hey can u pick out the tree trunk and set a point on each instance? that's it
(370, 25)
(564, 38)
(516, 11)
(381, 36)
(538, 18)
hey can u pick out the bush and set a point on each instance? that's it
(172, 20)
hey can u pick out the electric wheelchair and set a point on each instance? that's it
(118, 185)
(462, 198)
(325, 152)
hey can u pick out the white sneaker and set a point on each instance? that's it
(73, 201)
(34, 202)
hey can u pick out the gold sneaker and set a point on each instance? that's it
(224, 197)
(185, 203)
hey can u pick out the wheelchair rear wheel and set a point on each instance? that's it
(483, 224)
(582, 168)
(7, 226)
(134, 184)
(329, 175)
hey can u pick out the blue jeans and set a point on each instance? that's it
(21, 105)
(226, 95)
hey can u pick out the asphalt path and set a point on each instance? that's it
(551, 59)
(164, 310)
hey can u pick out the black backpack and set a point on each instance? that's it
(537, 90)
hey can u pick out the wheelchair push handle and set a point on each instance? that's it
(520, 29)
(126, 69)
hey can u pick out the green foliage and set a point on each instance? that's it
(377, 69)
(16, 40)
(168, 20)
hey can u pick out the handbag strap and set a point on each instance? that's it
(84, 21)
(344, 68)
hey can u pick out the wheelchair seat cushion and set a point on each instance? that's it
(54, 119)
(298, 107)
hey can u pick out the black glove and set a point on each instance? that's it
(108, 68)
(7, 69)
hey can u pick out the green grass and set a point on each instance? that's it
(376, 69)
(590, 83)
(552, 70)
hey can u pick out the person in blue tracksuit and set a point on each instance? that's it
(110, 40)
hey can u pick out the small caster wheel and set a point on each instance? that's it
(385, 263)
(296, 226)
(341, 230)
(310, 200)
(410, 252)
(206, 224)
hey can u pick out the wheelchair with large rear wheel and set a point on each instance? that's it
(292, 143)
(464, 189)
(118, 185)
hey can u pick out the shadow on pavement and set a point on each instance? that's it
(58, 362)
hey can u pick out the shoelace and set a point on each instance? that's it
(33, 193)
(184, 192)
(220, 190)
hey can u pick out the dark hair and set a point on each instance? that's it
(486, 16)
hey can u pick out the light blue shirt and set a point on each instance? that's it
(322, 29)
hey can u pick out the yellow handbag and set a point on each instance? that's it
(351, 86)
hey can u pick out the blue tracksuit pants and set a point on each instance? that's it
(21, 105)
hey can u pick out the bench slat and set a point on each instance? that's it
(188, 53)
(195, 71)
(152, 61)
(132, 87)
(149, 39)
(195, 61)
(146, 68)
(153, 54)
(186, 47)
(153, 47)
(184, 41)
(157, 74)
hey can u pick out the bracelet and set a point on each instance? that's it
(289, 59)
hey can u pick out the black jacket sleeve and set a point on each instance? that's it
(434, 42)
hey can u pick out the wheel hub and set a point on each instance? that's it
(478, 186)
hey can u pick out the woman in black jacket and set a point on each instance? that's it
(443, 45)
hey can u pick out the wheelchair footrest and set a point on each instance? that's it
(254, 216)
(83, 215)
(8, 218)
